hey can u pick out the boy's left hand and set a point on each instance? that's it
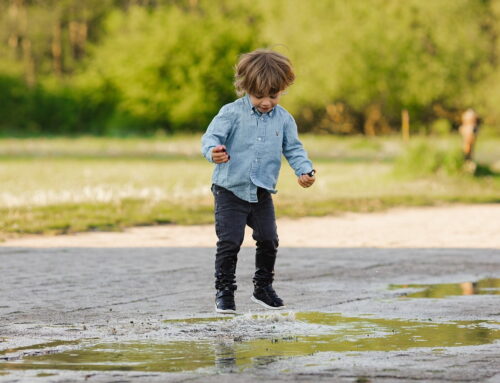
(305, 180)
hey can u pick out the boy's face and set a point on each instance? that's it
(265, 103)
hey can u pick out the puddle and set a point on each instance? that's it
(489, 286)
(41, 346)
(327, 333)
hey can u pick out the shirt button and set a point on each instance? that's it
(259, 138)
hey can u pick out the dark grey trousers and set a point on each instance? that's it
(232, 214)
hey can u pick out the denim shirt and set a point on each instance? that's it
(255, 142)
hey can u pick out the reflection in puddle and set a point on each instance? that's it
(490, 286)
(41, 346)
(328, 332)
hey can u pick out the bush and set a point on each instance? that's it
(423, 159)
(167, 70)
(173, 68)
(441, 127)
(52, 109)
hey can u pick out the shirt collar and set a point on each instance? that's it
(254, 110)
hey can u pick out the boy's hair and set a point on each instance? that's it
(263, 72)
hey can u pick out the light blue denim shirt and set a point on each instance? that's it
(255, 142)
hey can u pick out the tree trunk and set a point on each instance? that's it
(372, 115)
(29, 63)
(375, 121)
(57, 64)
(78, 38)
(16, 27)
(20, 38)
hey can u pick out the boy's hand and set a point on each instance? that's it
(306, 180)
(219, 154)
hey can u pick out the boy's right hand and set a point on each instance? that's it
(219, 154)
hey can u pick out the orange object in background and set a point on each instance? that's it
(467, 288)
(469, 130)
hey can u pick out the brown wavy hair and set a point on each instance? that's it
(263, 72)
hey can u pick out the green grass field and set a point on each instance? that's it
(62, 185)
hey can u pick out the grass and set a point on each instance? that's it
(62, 185)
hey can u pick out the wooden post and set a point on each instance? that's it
(405, 125)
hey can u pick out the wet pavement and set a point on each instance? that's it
(146, 314)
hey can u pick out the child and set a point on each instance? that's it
(246, 140)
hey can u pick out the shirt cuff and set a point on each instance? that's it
(208, 154)
(304, 170)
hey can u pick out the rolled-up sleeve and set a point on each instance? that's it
(293, 150)
(217, 132)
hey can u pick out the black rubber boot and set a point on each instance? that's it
(225, 284)
(265, 258)
(225, 272)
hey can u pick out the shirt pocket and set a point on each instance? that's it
(275, 137)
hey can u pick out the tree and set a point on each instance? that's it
(48, 37)
(172, 67)
(382, 56)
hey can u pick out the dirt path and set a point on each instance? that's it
(455, 226)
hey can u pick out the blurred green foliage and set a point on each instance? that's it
(441, 127)
(39, 109)
(379, 57)
(422, 158)
(171, 69)
(121, 67)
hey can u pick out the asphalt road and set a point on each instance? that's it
(58, 297)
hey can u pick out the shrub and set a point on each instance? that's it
(423, 158)
(172, 68)
(441, 127)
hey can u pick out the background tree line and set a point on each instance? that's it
(147, 66)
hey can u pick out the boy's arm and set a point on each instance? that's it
(293, 150)
(217, 133)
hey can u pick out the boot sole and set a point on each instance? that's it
(228, 311)
(263, 304)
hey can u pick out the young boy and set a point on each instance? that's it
(246, 140)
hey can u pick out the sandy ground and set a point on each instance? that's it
(117, 289)
(464, 226)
